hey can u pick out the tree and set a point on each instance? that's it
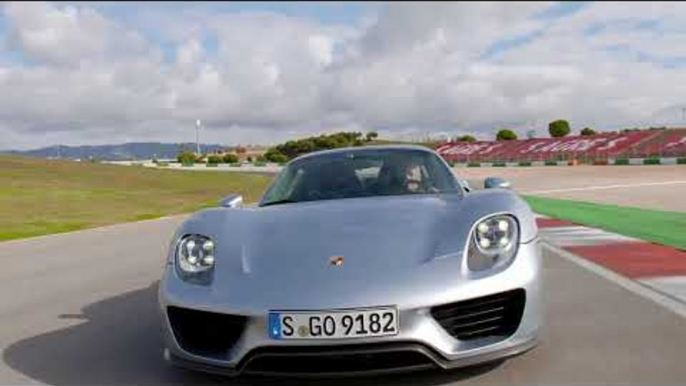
(292, 149)
(506, 135)
(559, 128)
(531, 134)
(371, 136)
(588, 131)
(466, 138)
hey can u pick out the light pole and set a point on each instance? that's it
(198, 124)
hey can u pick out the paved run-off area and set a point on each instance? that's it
(80, 308)
(659, 187)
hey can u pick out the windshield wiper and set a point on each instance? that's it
(284, 201)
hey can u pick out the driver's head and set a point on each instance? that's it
(404, 174)
(413, 177)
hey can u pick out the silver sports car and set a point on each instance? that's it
(357, 260)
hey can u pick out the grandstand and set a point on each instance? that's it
(582, 149)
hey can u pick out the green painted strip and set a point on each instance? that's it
(661, 227)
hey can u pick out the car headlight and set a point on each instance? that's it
(493, 242)
(195, 258)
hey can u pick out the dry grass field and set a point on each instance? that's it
(39, 197)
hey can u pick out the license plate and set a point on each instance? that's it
(333, 324)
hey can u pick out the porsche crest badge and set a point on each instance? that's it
(336, 261)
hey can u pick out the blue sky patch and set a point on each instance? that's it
(562, 9)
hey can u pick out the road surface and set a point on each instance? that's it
(80, 309)
(658, 187)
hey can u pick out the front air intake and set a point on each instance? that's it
(489, 316)
(203, 333)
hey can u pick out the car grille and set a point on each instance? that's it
(488, 316)
(338, 360)
(205, 333)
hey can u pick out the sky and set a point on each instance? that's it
(260, 73)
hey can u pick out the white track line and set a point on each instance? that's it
(665, 300)
(605, 187)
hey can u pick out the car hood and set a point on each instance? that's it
(372, 235)
(280, 256)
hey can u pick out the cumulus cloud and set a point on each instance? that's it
(77, 74)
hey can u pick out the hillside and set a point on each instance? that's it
(119, 152)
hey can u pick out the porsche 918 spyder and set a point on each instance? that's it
(355, 261)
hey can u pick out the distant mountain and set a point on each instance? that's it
(126, 151)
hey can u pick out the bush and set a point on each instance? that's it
(465, 138)
(588, 131)
(187, 164)
(211, 165)
(559, 128)
(474, 165)
(651, 161)
(186, 157)
(681, 161)
(230, 158)
(525, 163)
(235, 165)
(214, 160)
(260, 164)
(505, 135)
(162, 164)
(550, 163)
(273, 155)
(621, 161)
(499, 164)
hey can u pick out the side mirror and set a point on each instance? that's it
(495, 182)
(231, 201)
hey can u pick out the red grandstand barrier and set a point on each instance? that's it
(586, 147)
(674, 144)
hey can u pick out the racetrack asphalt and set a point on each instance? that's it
(658, 187)
(80, 309)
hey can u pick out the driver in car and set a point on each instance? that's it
(413, 177)
(402, 176)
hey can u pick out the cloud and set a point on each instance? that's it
(77, 74)
(69, 35)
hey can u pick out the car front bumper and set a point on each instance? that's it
(421, 343)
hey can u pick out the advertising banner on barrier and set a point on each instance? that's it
(602, 145)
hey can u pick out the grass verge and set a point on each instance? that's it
(666, 228)
(39, 197)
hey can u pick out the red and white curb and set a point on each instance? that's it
(658, 267)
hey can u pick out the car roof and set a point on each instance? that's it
(364, 148)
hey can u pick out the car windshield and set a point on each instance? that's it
(361, 173)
